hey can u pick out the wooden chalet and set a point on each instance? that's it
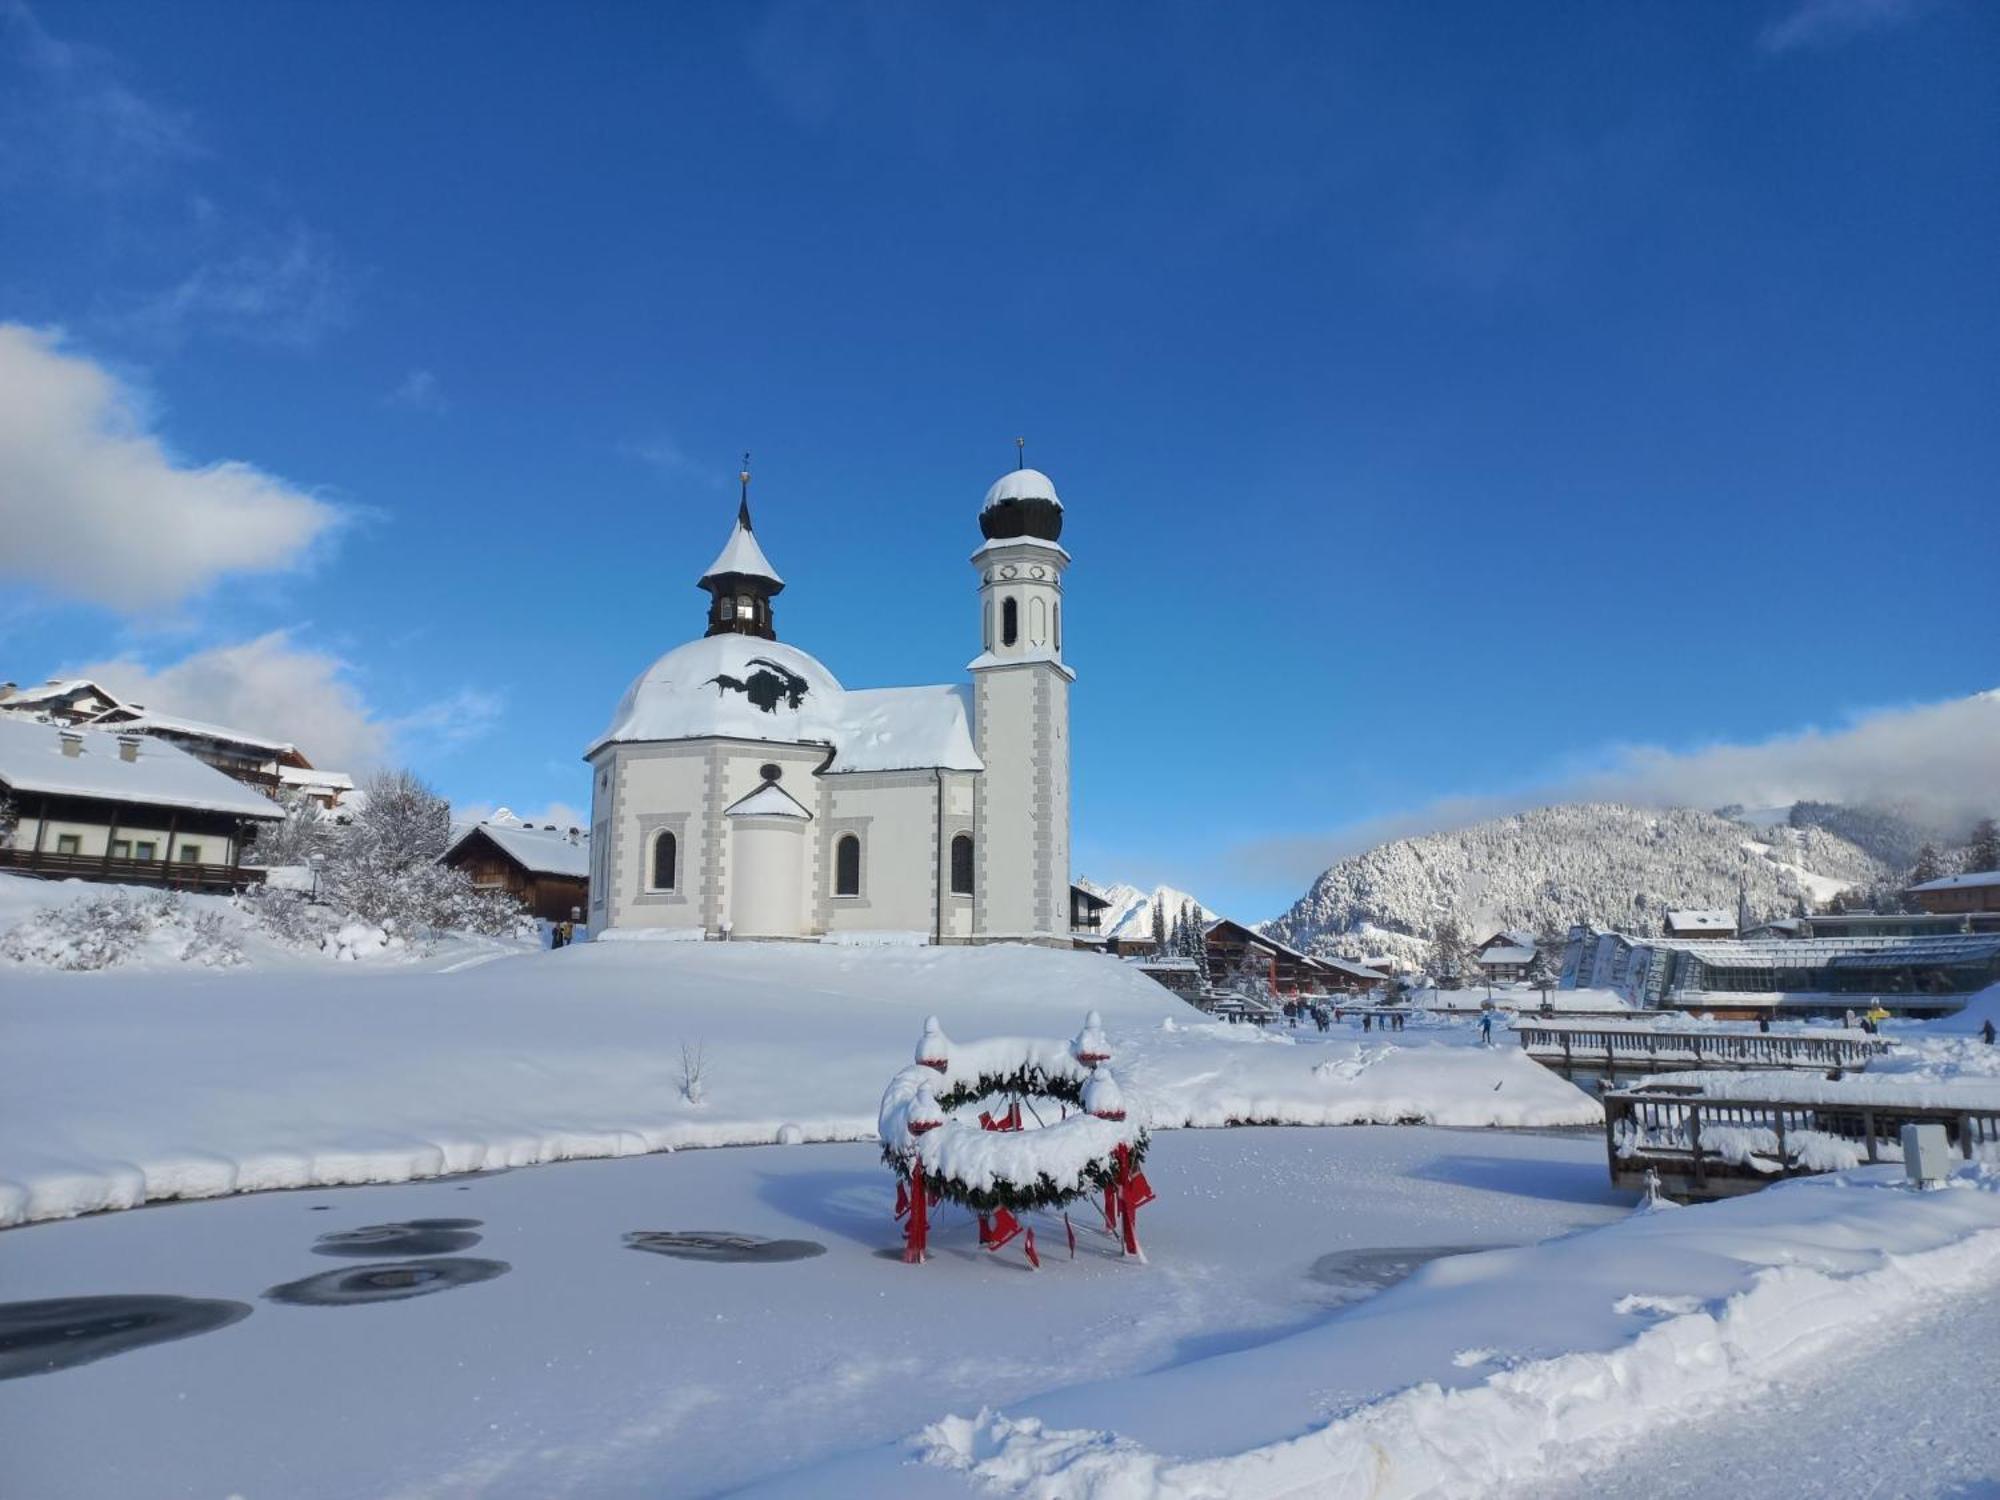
(1086, 917)
(91, 805)
(546, 869)
(1693, 926)
(1976, 891)
(1506, 954)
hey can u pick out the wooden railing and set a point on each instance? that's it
(1628, 1049)
(179, 874)
(1698, 1147)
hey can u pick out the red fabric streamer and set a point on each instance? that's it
(916, 1236)
(1033, 1259)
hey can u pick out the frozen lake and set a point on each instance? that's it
(676, 1324)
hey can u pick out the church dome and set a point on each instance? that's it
(739, 686)
(1022, 502)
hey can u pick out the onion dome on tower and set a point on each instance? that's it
(1022, 502)
(741, 581)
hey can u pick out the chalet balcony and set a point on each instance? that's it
(179, 875)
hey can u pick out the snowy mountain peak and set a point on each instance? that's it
(1130, 914)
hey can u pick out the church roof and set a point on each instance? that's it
(1022, 484)
(769, 801)
(742, 687)
(742, 557)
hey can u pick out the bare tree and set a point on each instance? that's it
(694, 1067)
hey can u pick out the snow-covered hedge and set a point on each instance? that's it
(109, 928)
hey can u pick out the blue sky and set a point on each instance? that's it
(1451, 402)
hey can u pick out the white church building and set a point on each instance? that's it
(741, 791)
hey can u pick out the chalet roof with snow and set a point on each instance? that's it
(1700, 921)
(33, 760)
(57, 691)
(746, 688)
(1506, 954)
(539, 851)
(1349, 967)
(314, 780)
(1510, 937)
(1971, 880)
(145, 721)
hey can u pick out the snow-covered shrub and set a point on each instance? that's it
(109, 928)
(288, 916)
(209, 941)
(94, 933)
(350, 942)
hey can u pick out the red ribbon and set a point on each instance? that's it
(917, 1234)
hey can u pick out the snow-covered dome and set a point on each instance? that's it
(735, 685)
(1022, 502)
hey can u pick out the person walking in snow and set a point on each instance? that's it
(1486, 1029)
(1986, 1031)
(1367, 1021)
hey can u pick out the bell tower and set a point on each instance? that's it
(1021, 714)
(741, 581)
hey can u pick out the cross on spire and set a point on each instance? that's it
(743, 506)
(1020, 453)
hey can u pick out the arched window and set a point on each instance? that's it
(665, 858)
(961, 865)
(1056, 608)
(986, 636)
(847, 865)
(1010, 621)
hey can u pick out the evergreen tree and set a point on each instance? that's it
(1198, 947)
(1545, 969)
(1159, 924)
(1984, 852)
(1929, 865)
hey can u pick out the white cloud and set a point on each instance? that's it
(419, 391)
(288, 289)
(1939, 761)
(447, 724)
(1827, 23)
(65, 111)
(267, 686)
(93, 507)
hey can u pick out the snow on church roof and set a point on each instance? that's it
(741, 554)
(742, 687)
(1022, 484)
(769, 801)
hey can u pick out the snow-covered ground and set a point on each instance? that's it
(1504, 1370)
(123, 1087)
(591, 1369)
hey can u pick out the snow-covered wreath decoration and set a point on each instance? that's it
(1001, 1166)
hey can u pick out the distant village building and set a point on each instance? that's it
(1086, 917)
(742, 791)
(1977, 891)
(1235, 950)
(1506, 954)
(97, 805)
(546, 869)
(1694, 925)
(1924, 974)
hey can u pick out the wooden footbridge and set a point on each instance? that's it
(1748, 1133)
(1606, 1048)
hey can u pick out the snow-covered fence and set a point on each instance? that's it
(1716, 1145)
(1599, 1048)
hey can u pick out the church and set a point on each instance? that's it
(741, 791)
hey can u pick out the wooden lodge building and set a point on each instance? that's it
(94, 805)
(546, 869)
(1234, 948)
(1976, 891)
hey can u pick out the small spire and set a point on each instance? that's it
(743, 506)
(1020, 453)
